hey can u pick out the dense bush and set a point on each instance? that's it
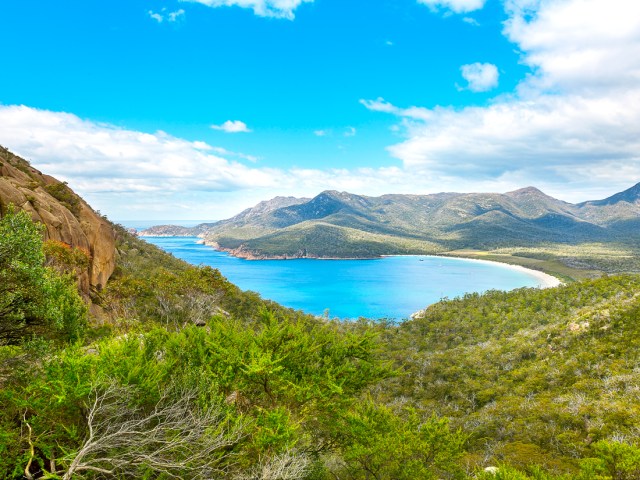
(34, 299)
(183, 375)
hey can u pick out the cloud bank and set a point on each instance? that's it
(131, 174)
(575, 120)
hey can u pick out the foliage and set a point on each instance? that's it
(65, 258)
(284, 383)
(532, 376)
(613, 461)
(33, 298)
(61, 192)
(384, 444)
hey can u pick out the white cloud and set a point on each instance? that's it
(175, 16)
(262, 8)
(480, 77)
(95, 154)
(321, 133)
(471, 21)
(163, 15)
(589, 46)
(232, 126)
(572, 124)
(351, 132)
(456, 6)
(156, 16)
(130, 174)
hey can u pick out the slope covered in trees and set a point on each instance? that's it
(179, 374)
(186, 376)
(341, 224)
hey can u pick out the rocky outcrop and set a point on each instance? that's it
(66, 217)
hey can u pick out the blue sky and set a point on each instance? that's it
(198, 109)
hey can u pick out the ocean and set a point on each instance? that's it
(391, 287)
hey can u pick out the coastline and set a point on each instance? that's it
(546, 280)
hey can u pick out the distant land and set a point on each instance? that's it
(519, 224)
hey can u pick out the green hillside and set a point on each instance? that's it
(170, 371)
(343, 225)
(533, 376)
(541, 384)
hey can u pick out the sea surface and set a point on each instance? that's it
(390, 287)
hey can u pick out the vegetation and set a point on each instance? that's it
(66, 196)
(179, 374)
(524, 227)
(534, 376)
(34, 299)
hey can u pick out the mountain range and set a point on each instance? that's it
(344, 225)
(541, 381)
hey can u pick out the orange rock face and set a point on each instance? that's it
(66, 217)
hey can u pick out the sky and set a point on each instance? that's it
(197, 109)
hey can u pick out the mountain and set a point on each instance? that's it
(341, 224)
(66, 217)
(541, 383)
(631, 196)
(620, 212)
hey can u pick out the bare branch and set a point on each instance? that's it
(177, 438)
(289, 465)
(32, 452)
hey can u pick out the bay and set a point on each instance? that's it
(390, 287)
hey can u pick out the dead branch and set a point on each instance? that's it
(177, 438)
(289, 465)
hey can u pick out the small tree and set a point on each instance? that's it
(22, 277)
(33, 298)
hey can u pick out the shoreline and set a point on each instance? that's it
(546, 280)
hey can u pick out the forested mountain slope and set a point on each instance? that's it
(348, 225)
(534, 376)
(182, 375)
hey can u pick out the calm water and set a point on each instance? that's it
(391, 287)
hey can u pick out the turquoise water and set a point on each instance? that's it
(390, 287)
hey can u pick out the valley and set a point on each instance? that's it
(532, 384)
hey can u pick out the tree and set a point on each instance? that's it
(23, 292)
(34, 299)
(383, 444)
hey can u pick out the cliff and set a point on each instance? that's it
(66, 217)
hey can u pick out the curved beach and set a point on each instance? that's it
(546, 280)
